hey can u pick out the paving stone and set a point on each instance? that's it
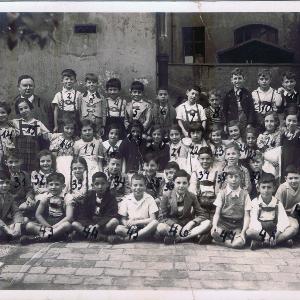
(66, 271)
(138, 265)
(275, 261)
(289, 269)
(116, 272)
(128, 282)
(108, 264)
(68, 279)
(265, 268)
(272, 285)
(77, 256)
(100, 246)
(293, 286)
(183, 265)
(78, 245)
(99, 281)
(172, 274)
(217, 284)
(121, 257)
(252, 276)
(233, 260)
(96, 257)
(197, 259)
(161, 283)
(15, 268)
(38, 278)
(11, 277)
(292, 262)
(160, 258)
(38, 270)
(65, 263)
(244, 285)
(89, 271)
(281, 254)
(196, 284)
(114, 251)
(29, 255)
(285, 277)
(60, 250)
(160, 266)
(213, 275)
(145, 273)
(257, 253)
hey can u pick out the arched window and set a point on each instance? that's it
(256, 31)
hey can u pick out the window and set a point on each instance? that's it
(256, 31)
(193, 44)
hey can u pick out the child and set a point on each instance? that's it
(53, 214)
(65, 102)
(180, 213)
(158, 147)
(10, 217)
(90, 148)
(61, 145)
(271, 138)
(41, 109)
(92, 105)
(235, 136)
(96, 218)
(154, 180)
(238, 103)
(251, 142)
(20, 187)
(216, 144)
(138, 211)
(197, 141)
(30, 131)
(269, 223)
(7, 132)
(232, 156)
(265, 98)
(290, 140)
(77, 187)
(290, 97)
(231, 218)
(113, 143)
(163, 114)
(130, 149)
(190, 112)
(288, 194)
(177, 149)
(116, 106)
(118, 182)
(138, 109)
(170, 171)
(214, 113)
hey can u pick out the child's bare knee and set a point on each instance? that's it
(162, 228)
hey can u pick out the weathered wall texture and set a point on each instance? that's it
(219, 29)
(124, 45)
(218, 76)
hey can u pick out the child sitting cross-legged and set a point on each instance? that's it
(269, 223)
(97, 219)
(231, 218)
(138, 211)
(53, 215)
(180, 213)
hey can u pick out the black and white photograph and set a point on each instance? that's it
(150, 151)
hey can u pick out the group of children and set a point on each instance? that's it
(100, 167)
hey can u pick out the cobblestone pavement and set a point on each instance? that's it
(142, 266)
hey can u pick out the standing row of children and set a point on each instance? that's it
(199, 172)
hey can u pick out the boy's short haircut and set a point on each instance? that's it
(258, 155)
(113, 83)
(113, 126)
(150, 156)
(233, 170)
(55, 176)
(291, 110)
(176, 127)
(114, 155)
(137, 176)
(234, 123)
(25, 76)
(237, 72)
(267, 178)
(288, 75)
(99, 175)
(264, 73)
(157, 127)
(92, 77)
(233, 145)
(4, 175)
(162, 88)
(251, 130)
(216, 127)
(205, 150)
(291, 169)
(20, 100)
(193, 127)
(137, 85)
(172, 165)
(182, 173)
(5, 106)
(214, 92)
(68, 121)
(194, 87)
(13, 153)
(136, 124)
(68, 73)
(87, 122)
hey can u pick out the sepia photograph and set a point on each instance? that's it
(150, 151)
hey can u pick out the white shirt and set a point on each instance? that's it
(259, 96)
(66, 99)
(187, 112)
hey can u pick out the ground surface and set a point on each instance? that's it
(142, 266)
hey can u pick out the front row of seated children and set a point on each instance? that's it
(230, 218)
